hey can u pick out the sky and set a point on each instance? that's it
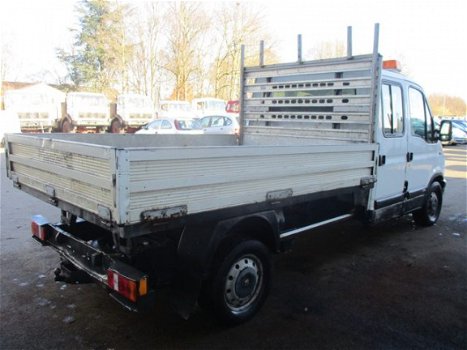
(426, 36)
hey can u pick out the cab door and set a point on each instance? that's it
(391, 136)
(425, 155)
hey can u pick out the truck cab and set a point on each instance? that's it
(86, 112)
(410, 157)
(38, 107)
(131, 112)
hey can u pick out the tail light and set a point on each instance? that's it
(39, 227)
(129, 288)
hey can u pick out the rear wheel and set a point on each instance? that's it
(429, 213)
(240, 284)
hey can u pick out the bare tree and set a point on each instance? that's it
(186, 29)
(146, 74)
(445, 105)
(178, 50)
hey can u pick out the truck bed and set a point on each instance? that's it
(307, 128)
(123, 180)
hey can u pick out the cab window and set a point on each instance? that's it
(421, 122)
(392, 110)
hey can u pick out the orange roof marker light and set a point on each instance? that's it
(392, 65)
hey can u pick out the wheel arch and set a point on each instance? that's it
(262, 227)
(200, 243)
(438, 177)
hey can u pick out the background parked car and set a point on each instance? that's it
(220, 124)
(171, 126)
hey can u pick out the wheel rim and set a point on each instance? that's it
(433, 206)
(243, 283)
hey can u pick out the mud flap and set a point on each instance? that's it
(184, 294)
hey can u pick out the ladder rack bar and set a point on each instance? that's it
(261, 53)
(299, 46)
(242, 94)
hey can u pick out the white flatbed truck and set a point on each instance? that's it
(321, 141)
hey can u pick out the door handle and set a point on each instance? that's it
(409, 156)
(381, 160)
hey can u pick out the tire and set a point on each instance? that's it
(240, 283)
(66, 126)
(116, 127)
(428, 215)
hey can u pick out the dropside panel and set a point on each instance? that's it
(80, 175)
(198, 180)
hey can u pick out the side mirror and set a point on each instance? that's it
(445, 133)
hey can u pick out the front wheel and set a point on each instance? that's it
(240, 284)
(429, 213)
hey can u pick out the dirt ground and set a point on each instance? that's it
(389, 286)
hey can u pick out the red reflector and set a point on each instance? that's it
(125, 286)
(38, 227)
(392, 64)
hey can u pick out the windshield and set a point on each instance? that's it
(91, 100)
(30, 99)
(155, 124)
(185, 107)
(138, 101)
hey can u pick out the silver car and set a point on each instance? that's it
(171, 126)
(220, 124)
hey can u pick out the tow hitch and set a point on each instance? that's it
(69, 274)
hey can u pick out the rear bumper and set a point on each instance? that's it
(85, 256)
